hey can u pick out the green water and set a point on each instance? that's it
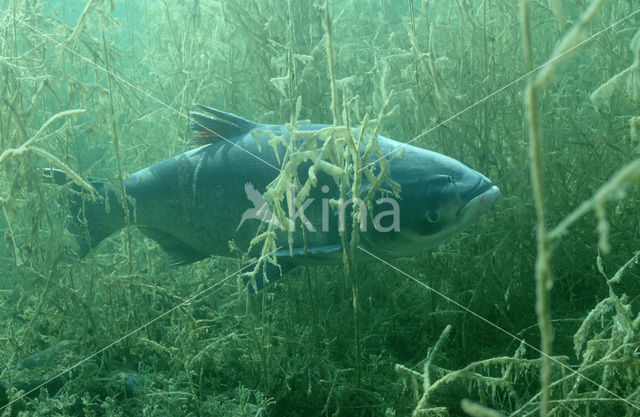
(455, 76)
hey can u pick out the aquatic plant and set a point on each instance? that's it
(447, 75)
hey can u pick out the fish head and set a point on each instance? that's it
(438, 200)
(449, 203)
(447, 198)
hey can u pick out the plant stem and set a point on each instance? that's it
(542, 267)
(326, 22)
(116, 148)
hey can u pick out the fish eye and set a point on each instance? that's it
(433, 216)
(451, 180)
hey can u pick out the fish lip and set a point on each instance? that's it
(481, 197)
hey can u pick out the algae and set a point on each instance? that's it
(449, 76)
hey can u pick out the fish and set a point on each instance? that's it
(195, 203)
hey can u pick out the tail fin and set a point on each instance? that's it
(90, 220)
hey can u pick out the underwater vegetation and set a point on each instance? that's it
(532, 310)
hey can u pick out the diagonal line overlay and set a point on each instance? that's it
(492, 324)
(456, 115)
(187, 301)
(504, 87)
(130, 84)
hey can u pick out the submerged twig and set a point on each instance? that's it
(80, 22)
(477, 410)
(543, 275)
(625, 176)
(327, 24)
(568, 43)
(65, 113)
(543, 261)
(116, 150)
(29, 147)
(426, 379)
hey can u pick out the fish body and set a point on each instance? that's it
(194, 203)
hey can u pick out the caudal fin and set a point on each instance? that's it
(90, 220)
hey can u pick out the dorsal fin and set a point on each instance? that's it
(209, 129)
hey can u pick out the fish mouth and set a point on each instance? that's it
(480, 199)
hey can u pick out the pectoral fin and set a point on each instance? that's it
(179, 252)
(290, 260)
